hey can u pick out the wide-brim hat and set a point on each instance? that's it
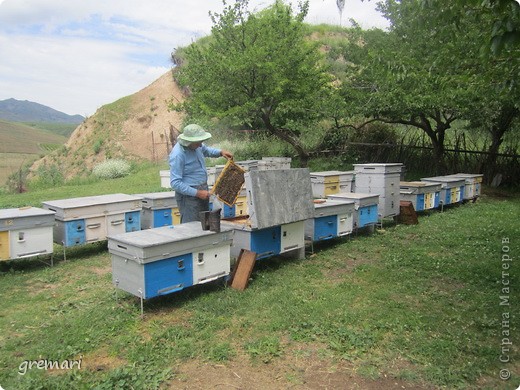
(194, 133)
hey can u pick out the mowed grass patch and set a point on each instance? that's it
(416, 303)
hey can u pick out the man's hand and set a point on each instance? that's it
(226, 154)
(202, 194)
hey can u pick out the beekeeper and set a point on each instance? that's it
(188, 175)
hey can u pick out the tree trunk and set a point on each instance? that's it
(501, 125)
(285, 135)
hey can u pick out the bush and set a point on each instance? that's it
(112, 169)
(47, 175)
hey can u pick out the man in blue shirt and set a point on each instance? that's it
(188, 175)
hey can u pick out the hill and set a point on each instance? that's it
(135, 127)
(140, 126)
(25, 111)
(21, 144)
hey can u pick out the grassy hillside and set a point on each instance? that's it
(63, 129)
(406, 307)
(21, 138)
(21, 144)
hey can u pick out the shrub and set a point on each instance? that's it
(47, 175)
(111, 169)
(97, 146)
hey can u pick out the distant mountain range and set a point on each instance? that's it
(25, 111)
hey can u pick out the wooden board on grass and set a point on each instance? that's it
(243, 269)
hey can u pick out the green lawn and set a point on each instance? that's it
(418, 304)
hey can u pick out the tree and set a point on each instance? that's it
(504, 32)
(257, 70)
(427, 71)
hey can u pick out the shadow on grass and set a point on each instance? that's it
(60, 254)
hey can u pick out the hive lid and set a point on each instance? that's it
(279, 197)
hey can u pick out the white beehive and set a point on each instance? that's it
(25, 232)
(92, 218)
(381, 179)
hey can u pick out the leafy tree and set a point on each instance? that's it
(429, 71)
(257, 70)
(504, 32)
(495, 29)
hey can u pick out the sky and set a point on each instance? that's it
(78, 55)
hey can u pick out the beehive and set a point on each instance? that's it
(25, 232)
(160, 261)
(452, 188)
(423, 195)
(381, 179)
(473, 184)
(365, 207)
(93, 218)
(331, 182)
(157, 209)
(332, 218)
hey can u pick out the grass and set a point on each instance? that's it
(416, 303)
(143, 178)
(63, 129)
(20, 138)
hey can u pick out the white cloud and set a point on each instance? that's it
(76, 55)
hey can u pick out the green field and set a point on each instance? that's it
(409, 306)
(21, 144)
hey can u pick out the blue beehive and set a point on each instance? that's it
(452, 188)
(423, 195)
(278, 203)
(332, 218)
(160, 261)
(472, 186)
(157, 209)
(93, 218)
(366, 207)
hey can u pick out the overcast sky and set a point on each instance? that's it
(77, 55)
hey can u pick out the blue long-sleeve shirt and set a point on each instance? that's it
(188, 168)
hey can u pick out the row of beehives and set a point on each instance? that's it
(79, 221)
(279, 213)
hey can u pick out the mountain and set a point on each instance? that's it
(13, 110)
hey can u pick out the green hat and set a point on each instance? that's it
(194, 133)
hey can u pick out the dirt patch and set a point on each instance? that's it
(304, 369)
(40, 287)
(101, 360)
(101, 271)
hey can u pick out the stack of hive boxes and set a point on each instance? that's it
(383, 180)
